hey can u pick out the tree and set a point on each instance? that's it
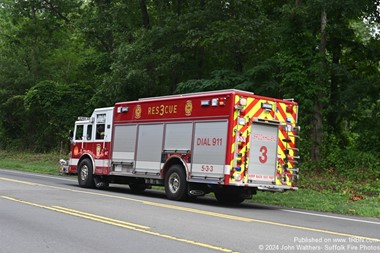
(48, 123)
(38, 42)
(94, 53)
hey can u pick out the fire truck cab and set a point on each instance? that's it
(229, 142)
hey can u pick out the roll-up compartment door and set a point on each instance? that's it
(178, 136)
(124, 143)
(209, 153)
(149, 147)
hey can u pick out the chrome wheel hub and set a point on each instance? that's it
(174, 182)
(84, 173)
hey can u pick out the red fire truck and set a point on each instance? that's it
(229, 142)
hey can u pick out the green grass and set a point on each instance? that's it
(318, 192)
(39, 163)
(325, 201)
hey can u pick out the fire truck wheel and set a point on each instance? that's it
(176, 187)
(85, 174)
(100, 183)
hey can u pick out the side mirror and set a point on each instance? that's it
(71, 134)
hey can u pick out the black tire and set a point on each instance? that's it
(176, 187)
(101, 183)
(85, 174)
(229, 196)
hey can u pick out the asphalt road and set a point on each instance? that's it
(40, 213)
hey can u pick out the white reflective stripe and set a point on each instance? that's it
(144, 165)
(98, 162)
(73, 161)
(102, 163)
(123, 155)
(227, 169)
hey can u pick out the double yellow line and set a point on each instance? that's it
(118, 223)
(77, 213)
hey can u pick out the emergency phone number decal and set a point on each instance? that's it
(209, 141)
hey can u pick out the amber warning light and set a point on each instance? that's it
(222, 101)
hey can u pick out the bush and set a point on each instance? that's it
(344, 171)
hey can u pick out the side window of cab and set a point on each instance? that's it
(79, 132)
(100, 126)
(89, 132)
(100, 131)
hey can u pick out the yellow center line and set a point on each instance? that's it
(197, 211)
(118, 223)
(18, 181)
(70, 190)
(99, 217)
(90, 217)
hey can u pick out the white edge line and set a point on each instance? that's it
(331, 216)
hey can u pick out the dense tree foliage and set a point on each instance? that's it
(61, 58)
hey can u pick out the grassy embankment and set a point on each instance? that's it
(323, 192)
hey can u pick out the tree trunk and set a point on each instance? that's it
(317, 122)
(145, 15)
(322, 48)
(34, 51)
(178, 7)
(333, 116)
(317, 132)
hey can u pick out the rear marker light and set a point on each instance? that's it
(242, 121)
(289, 109)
